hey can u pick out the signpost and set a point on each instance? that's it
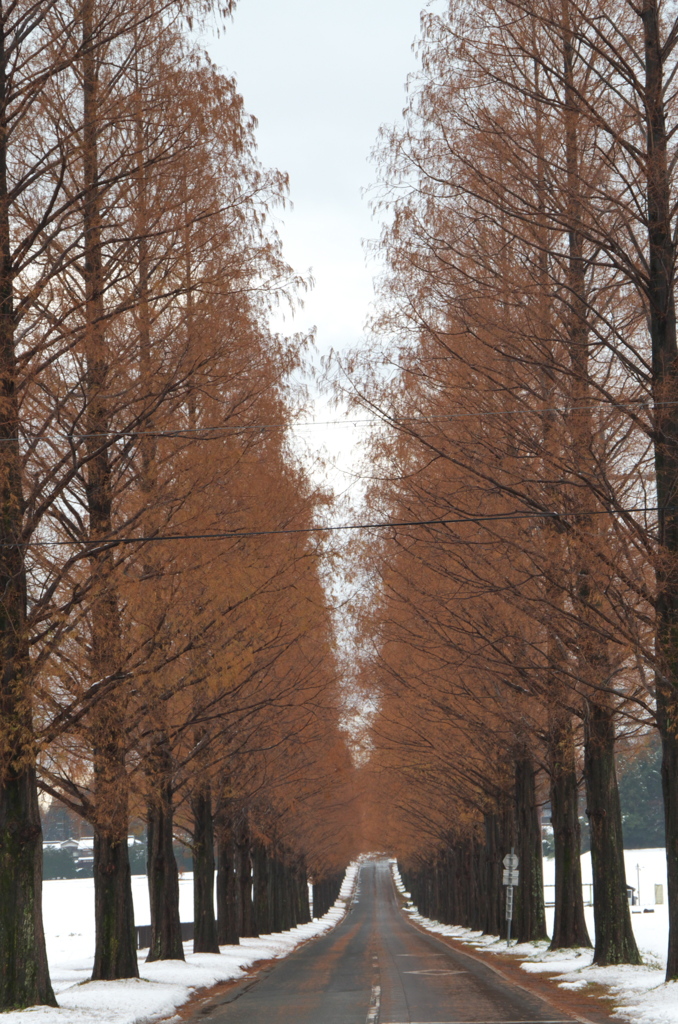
(510, 879)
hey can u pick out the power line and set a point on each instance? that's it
(640, 404)
(235, 534)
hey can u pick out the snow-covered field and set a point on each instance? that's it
(638, 994)
(68, 907)
(651, 929)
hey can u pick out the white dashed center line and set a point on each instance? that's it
(375, 998)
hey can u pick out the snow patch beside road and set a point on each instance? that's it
(165, 984)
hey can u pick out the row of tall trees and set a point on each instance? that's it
(165, 640)
(523, 606)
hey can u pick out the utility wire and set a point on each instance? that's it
(235, 534)
(386, 419)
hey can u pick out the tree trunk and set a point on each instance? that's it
(293, 883)
(280, 921)
(493, 872)
(529, 913)
(205, 939)
(244, 847)
(479, 891)
(320, 903)
(115, 954)
(304, 904)
(282, 896)
(24, 975)
(262, 890)
(163, 878)
(615, 942)
(569, 925)
(667, 715)
(228, 892)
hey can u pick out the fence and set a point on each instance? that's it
(550, 895)
(144, 934)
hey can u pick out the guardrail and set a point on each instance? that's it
(550, 895)
(144, 934)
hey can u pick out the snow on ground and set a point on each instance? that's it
(651, 929)
(638, 994)
(68, 907)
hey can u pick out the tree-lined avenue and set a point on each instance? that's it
(375, 966)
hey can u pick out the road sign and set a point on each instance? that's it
(510, 879)
(509, 904)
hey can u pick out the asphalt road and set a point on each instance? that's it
(375, 967)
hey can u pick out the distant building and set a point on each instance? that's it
(60, 823)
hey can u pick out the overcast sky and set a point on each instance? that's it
(321, 76)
